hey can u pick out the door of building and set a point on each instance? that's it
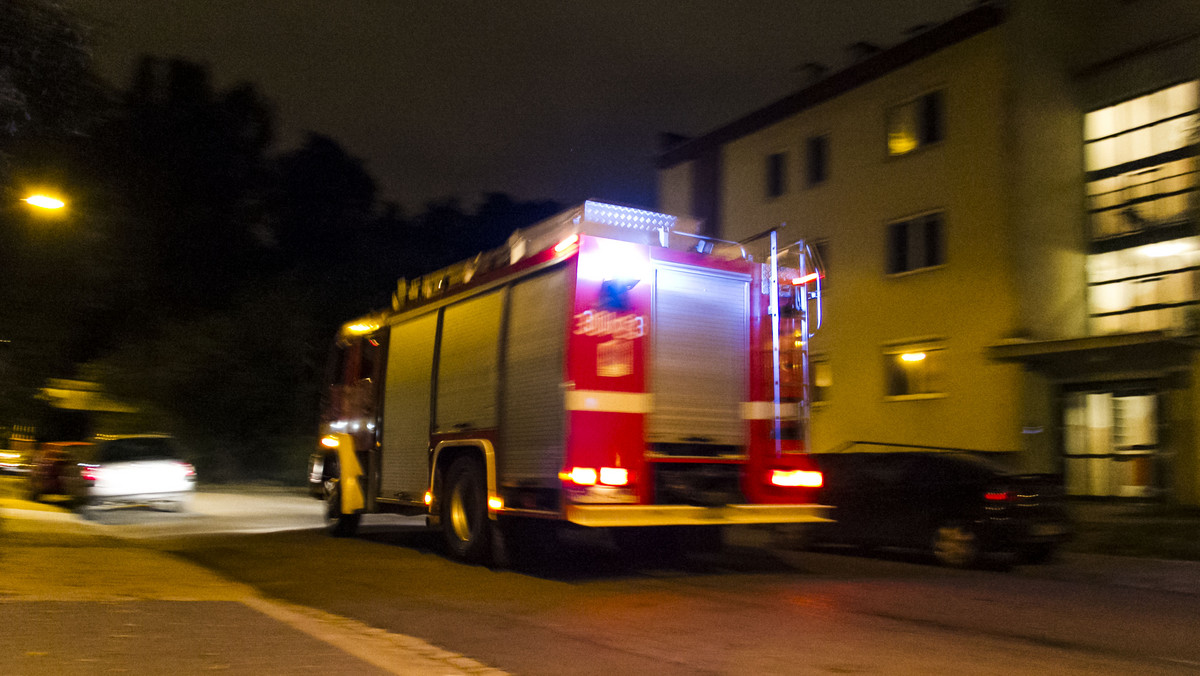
(1111, 442)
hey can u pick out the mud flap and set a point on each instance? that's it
(351, 475)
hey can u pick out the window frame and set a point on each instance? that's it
(928, 123)
(1127, 189)
(811, 146)
(775, 175)
(891, 354)
(813, 361)
(821, 248)
(893, 267)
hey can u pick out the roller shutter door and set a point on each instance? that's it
(700, 337)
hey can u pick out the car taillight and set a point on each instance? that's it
(90, 473)
(998, 496)
(188, 471)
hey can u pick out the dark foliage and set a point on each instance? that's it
(47, 86)
(196, 275)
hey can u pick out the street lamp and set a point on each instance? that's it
(44, 201)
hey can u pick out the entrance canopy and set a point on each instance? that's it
(1124, 355)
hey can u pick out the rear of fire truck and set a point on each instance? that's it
(685, 384)
(606, 368)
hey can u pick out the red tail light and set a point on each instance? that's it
(998, 496)
(90, 473)
(796, 478)
(188, 470)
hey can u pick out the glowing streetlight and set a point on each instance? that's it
(45, 202)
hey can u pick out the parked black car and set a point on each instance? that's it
(961, 507)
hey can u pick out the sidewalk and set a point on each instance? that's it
(1130, 544)
(1139, 529)
(76, 602)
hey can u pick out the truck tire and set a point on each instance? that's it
(465, 523)
(337, 523)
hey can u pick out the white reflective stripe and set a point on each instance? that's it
(609, 402)
(765, 410)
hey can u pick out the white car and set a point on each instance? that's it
(131, 470)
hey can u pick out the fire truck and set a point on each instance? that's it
(606, 368)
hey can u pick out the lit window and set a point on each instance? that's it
(915, 243)
(914, 370)
(1141, 161)
(818, 160)
(1144, 288)
(820, 375)
(915, 124)
(776, 178)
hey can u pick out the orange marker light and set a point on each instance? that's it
(566, 244)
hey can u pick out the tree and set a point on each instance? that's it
(48, 93)
(186, 168)
(47, 83)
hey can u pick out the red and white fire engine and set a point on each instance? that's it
(607, 367)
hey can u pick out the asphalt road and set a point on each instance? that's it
(586, 609)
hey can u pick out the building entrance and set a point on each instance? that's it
(1111, 443)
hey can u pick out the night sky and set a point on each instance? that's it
(542, 99)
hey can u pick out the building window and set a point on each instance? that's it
(1141, 161)
(818, 160)
(915, 124)
(820, 379)
(776, 177)
(820, 249)
(916, 243)
(914, 370)
(1144, 288)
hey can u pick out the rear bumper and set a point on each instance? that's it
(171, 497)
(611, 516)
(1016, 535)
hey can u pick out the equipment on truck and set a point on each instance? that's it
(607, 367)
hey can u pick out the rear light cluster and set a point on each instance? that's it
(90, 473)
(591, 476)
(998, 496)
(598, 485)
(796, 478)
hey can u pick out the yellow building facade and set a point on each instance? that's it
(1006, 205)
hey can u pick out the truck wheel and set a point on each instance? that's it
(464, 511)
(337, 523)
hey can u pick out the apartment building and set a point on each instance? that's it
(1008, 211)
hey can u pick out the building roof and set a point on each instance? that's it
(871, 68)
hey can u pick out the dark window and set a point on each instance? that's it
(776, 174)
(818, 159)
(931, 118)
(821, 249)
(915, 243)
